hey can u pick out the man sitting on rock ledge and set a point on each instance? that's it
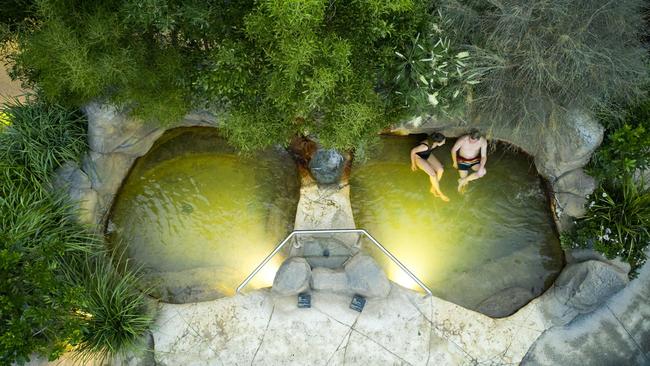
(469, 152)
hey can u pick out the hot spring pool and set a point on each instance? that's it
(199, 218)
(492, 249)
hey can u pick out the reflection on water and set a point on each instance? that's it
(497, 236)
(199, 218)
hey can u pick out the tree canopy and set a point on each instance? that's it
(337, 70)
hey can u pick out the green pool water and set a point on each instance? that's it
(496, 240)
(199, 218)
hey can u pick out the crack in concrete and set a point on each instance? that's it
(442, 333)
(345, 350)
(503, 354)
(638, 346)
(266, 329)
(347, 335)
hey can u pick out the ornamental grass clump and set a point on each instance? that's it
(58, 289)
(41, 136)
(37, 235)
(539, 58)
(114, 312)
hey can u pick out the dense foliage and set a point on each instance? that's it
(41, 137)
(617, 221)
(115, 313)
(616, 224)
(336, 70)
(433, 72)
(538, 58)
(37, 234)
(49, 301)
(626, 146)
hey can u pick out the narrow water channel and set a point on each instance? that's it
(488, 248)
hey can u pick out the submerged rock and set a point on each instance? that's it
(327, 166)
(365, 277)
(292, 277)
(505, 302)
(70, 179)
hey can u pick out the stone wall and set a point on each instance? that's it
(115, 140)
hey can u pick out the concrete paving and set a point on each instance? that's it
(406, 328)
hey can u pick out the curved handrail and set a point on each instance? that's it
(333, 231)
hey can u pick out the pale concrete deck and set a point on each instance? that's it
(403, 329)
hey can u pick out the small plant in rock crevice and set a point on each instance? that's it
(617, 222)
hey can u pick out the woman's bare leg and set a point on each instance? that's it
(433, 177)
(437, 166)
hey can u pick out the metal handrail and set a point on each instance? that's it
(333, 231)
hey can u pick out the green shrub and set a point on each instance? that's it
(626, 145)
(37, 233)
(79, 51)
(433, 74)
(53, 272)
(308, 67)
(616, 224)
(623, 152)
(115, 314)
(538, 58)
(41, 136)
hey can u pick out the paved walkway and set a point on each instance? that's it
(404, 329)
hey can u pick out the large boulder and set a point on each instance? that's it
(327, 166)
(326, 279)
(365, 277)
(113, 131)
(575, 182)
(581, 288)
(568, 204)
(76, 184)
(571, 192)
(570, 146)
(106, 171)
(292, 277)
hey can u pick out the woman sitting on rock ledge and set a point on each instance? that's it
(422, 157)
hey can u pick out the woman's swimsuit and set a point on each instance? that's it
(425, 154)
(467, 164)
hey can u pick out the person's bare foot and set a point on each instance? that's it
(439, 195)
(462, 184)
